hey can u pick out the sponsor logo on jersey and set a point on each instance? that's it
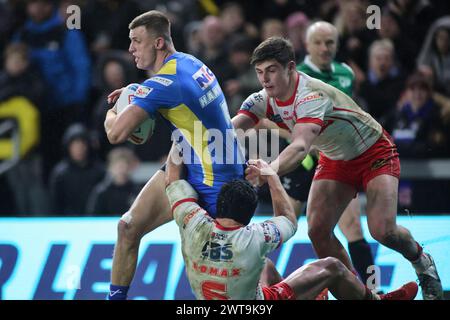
(218, 236)
(247, 105)
(271, 233)
(165, 82)
(258, 97)
(217, 252)
(219, 272)
(204, 77)
(142, 91)
(311, 97)
(210, 96)
(189, 216)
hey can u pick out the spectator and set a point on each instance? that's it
(272, 28)
(63, 60)
(213, 50)
(19, 78)
(73, 178)
(419, 130)
(296, 25)
(105, 23)
(405, 47)
(435, 54)
(116, 193)
(384, 83)
(414, 16)
(192, 36)
(234, 22)
(114, 70)
(355, 37)
(242, 79)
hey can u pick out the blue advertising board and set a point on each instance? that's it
(71, 258)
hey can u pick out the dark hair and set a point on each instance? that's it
(418, 80)
(276, 48)
(155, 22)
(237, 200)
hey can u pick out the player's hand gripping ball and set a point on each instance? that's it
(145, 130)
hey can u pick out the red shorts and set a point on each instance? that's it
(381, 158)
(279, 291)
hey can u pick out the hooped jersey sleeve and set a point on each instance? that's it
(255, 106)
(157, 92)
(183, 202)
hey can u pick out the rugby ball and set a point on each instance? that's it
(145, 129)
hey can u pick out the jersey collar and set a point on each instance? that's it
(221, 227)
(289, 101)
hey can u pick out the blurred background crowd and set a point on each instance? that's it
(54, 82)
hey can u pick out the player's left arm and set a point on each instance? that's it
(119, 127)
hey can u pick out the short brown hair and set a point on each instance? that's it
(276, 48)
(155, 22)
(121, 154)
(418, 80)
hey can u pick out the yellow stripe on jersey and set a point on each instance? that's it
(195, 133)
(169, 68)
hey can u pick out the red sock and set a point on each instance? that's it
(419, 253)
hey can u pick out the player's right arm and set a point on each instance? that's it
(282, 206)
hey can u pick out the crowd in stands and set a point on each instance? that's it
(402, 73)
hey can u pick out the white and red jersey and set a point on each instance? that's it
(347, 130)
(223, 263)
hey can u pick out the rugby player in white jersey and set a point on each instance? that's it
(356, 153)
(226, 257)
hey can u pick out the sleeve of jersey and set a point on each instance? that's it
(276, 231)
(183, 201)
(157, 92)
(254, 106)
(312, 108)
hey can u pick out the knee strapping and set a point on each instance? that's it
(127, 217)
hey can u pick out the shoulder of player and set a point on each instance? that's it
(310, 92)
(343, 68)
(259, 97)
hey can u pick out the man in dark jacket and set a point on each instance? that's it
(62, 58)
(73, 178)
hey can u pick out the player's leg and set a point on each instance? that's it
(359, 249)
(150, 210)
(308, 281)
(326, 202)
(381, 214)
(269, 275)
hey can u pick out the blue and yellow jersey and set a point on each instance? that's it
(188, 96)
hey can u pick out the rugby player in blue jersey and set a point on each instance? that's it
(189, 98)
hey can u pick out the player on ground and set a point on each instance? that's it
(321, 44)
(187, 95)
(226, 257)
(355, 153)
